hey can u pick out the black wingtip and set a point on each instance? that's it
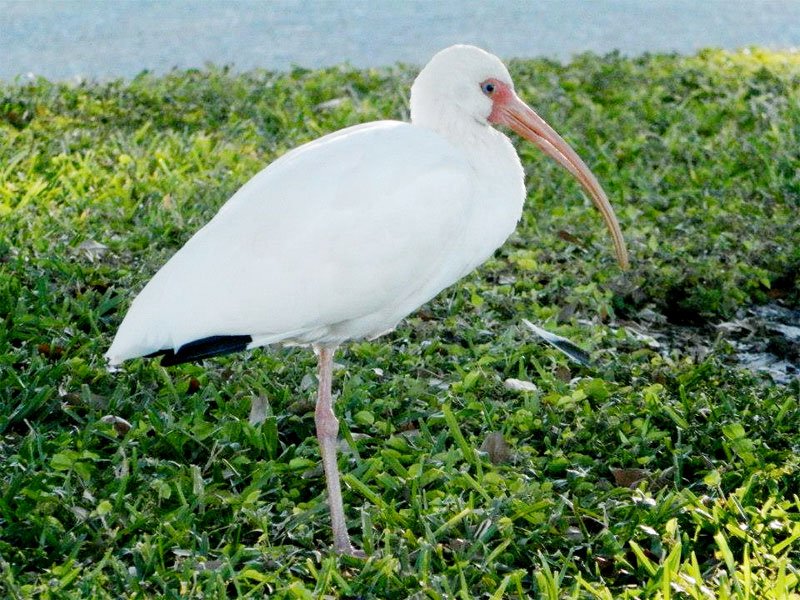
(214, 345)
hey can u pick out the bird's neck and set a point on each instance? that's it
(445, 121)
(499, 192)
(477, 140)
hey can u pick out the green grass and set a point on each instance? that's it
(654, 474)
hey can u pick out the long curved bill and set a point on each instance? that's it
(517, 115)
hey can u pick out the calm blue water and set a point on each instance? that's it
(101, 39)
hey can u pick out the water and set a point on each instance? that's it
(764, 339)
(767, 340)
(97, 39)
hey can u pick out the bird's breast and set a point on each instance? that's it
(497, 203)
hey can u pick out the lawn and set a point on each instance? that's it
(665, 469)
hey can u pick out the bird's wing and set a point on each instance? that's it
(349, 225)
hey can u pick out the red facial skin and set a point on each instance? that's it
(501, 96)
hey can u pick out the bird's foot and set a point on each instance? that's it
(349, 550)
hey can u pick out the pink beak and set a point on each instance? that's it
(517, 115)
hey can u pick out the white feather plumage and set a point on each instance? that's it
(344, 236)
(338, 239)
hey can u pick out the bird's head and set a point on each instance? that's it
(468, 84)
(459, 79)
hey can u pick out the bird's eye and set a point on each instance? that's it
(487, 87)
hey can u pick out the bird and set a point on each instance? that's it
(343, 237)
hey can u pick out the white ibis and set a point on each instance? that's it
(343, 237)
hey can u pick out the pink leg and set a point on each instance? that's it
(327, 432)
